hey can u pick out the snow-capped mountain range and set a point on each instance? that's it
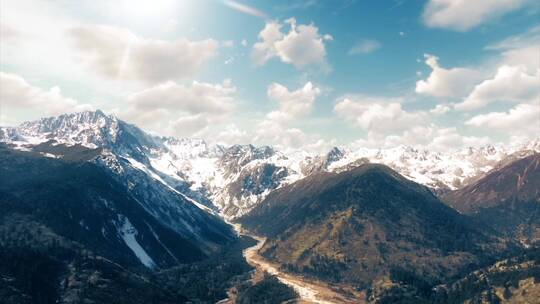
(231, 180)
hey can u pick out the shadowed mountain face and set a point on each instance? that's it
(367, 225)
(508, 199)
(69, 232)
(79, 201)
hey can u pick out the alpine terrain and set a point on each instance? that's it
(107, 211)
(269, 152)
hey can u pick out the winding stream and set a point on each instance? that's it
(308, 291)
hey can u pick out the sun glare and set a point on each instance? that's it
(149, 8)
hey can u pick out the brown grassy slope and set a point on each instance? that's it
(365, 224)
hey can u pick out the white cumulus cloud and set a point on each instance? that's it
(523, 119)
(181, 110)
(118, 53)
(388, 125)
(277, 128)
(292, 104)
(510, 84)
(188, 125)
(520, 50)
(19, 97)
(378, 115)
(441, 82)
(462, 15)
(301, 46)
(429, 136)
(199, 97)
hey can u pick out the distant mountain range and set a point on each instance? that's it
(232, 180)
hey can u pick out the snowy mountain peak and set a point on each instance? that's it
(533, 145)
(88, 128)
(188, 148)
(70, 121)
(335, 154)
(237, 156)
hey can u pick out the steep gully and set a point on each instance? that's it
(309, 291)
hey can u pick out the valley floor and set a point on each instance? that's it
(309, 291)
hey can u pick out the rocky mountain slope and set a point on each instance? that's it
(508, 199)
(367, 225)
(71, 233)
(78, 200)
(516, 181)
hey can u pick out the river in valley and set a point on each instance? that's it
(309, 291)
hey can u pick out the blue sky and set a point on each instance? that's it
(309, 74)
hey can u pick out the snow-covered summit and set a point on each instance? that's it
(89, 128)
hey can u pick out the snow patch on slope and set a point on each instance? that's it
(128, 233)
(140, 166)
